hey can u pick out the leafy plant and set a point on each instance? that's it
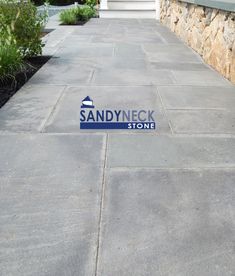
(85, 13)
(68, 17)
(91, 3)
(11, 60)
(28, 25)
(77, 14)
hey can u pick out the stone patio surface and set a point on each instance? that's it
(116, 203)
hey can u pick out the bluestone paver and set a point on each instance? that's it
(30, 108)
(49, 224)
(146, 150)
(167, 222)
(202, 121)
(65, 118)
(54, 72)
(45, 155)
(100, 203)
(205, 78)
(194, 97)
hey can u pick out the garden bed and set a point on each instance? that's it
(10, 86)
(79, 23)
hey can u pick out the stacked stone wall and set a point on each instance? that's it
(209, 31)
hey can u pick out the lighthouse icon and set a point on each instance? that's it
(87, 103)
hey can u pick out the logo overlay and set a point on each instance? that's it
(92, 118)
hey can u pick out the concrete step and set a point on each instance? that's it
(127, 13)
(131, 5)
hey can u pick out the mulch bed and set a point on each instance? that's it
(10, 86)
(76, 23)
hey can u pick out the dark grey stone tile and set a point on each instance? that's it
(179, 66)
(195, 97)
(203, 78)
(89, 50)
(90, 31)
(29, 109)
(216, 265)
(153, 48)
(160, 221)
(126, 50)
(202, 121)
(174, 57)
(139, 76)
(121, 77)
(66, 117)
(49, 225)
(161, 77)
(110, 63)
(58, 72)
(46, 155)
(146, 150)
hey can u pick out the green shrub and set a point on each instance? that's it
(28, 25)
(11, 60)
(78, 14)
(84, 13)
(91, 3)
(68, 17)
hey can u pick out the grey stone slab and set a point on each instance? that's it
(29, 109)
(56, 37)
(204, 78)
(173, 57)
(120, 29)
(145, 150)
(48, 155)
(57, 72)
(191, 97)
(48, 51)
(121, 77)
(153, 48)
(156, 222)
(202, 121)
(90, 31)
(148, 22)
(122, 62)
(161, 77)
(140, 76)
(178, 66)
(49, 225)
(108, 63)
(74, 40)
(146, 38)
(168, 36)
(66, 117)
(107, 38)
(86, 50)
(126, 50)
(217, 265)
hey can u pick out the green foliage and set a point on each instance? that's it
(91, 3)
(77, 14)
(84, 13)
(68, 17)
(11, 60)
(28, 25)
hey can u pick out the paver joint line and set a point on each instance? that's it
(101, 208)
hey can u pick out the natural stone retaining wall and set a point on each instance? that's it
(209, 31)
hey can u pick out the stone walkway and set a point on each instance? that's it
(118, 203)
